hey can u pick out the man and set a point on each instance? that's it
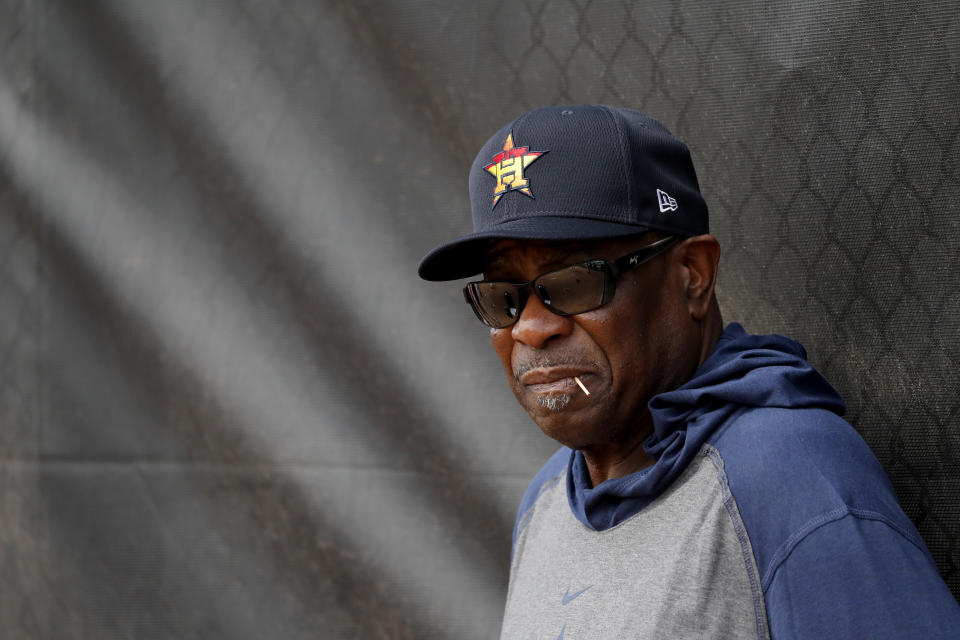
(707, 486)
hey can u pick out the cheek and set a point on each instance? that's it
(502, 344)
(635, 337)
(656, 345)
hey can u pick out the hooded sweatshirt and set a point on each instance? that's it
(764, 515)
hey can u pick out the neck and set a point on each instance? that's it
(711, 328)
(620, 459)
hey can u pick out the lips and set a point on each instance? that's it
(552, 379)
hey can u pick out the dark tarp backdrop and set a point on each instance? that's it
(229, 407)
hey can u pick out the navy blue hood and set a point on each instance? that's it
(745, 371)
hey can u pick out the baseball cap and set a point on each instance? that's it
(574, 173)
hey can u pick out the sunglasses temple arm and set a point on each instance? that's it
(637, 258)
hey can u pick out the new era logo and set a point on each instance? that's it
(666, 202)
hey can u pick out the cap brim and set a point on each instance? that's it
(463, 257)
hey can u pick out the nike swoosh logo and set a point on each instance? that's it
(568, 598)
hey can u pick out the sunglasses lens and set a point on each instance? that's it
(567, 291)
(574, 289)
(497, 303)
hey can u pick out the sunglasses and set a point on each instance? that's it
(567, 291)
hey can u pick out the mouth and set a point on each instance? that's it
(549, 380)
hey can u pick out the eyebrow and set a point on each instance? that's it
(558, 256)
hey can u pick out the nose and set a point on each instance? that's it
(536, 325)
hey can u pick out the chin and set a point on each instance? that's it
(563, 427)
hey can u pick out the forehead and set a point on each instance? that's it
(507, 253)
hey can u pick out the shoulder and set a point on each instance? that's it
(836, 555)
(791, 470)
(551, 473)
(812, 452)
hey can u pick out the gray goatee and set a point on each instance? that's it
(553, 402)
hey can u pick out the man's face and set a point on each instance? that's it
(625, 352)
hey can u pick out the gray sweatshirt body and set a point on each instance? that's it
(680, 568)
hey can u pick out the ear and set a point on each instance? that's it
(700, 256)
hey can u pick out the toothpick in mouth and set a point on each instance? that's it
(577, 380)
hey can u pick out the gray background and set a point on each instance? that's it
(231, 410)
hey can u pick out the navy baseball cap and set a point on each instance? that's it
(574, 173)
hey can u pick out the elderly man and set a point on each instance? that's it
(707, 486)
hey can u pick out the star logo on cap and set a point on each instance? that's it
(508, 166)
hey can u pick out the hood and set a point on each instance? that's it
(745, 371)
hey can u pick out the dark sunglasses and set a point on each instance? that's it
(570, 290)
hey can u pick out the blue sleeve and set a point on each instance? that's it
(859, 577)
